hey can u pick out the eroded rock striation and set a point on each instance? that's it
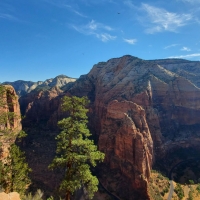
(10, 118)
(139, 110)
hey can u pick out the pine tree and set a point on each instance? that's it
(15, 172)
(76, 153)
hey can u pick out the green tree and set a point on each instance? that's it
(76, 153)
(15, 172)
(13, 169)
(179, 191)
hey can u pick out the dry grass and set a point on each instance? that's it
(158, 186)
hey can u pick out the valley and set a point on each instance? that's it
(144, 115)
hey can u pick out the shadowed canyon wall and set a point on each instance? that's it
(139, 110)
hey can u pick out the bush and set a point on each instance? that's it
(37, 196)
(198, 188)
(179, 191)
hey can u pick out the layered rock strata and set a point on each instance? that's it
(10, 118)
(138, 111)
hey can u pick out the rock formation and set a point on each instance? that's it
(139, 110)
(10, 118)
(10, 196)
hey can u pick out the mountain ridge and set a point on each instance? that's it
(23, 87)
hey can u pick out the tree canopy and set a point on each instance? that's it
(15, 172)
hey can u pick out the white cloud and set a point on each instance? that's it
(8, 17)
(130, 4)
(62, 5)
(93, 25)
(73, 10)
(130, 41)
(194, 55)
(97, 29)
(162, 20)
(170, 46)
(185, 49)
(104, 37)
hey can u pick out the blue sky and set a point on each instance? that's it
(40, 39)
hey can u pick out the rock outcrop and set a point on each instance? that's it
(139, 110)
(10, 196)
(10, 118)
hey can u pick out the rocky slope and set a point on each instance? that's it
(139, 111)
(24, 87)
(10, 118)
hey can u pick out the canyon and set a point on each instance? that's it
(140, 113)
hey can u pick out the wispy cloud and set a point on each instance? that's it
(97, 29)
(130, 4)
(130, 41)
(185, 49)
(104, 37)
(93, 25)
(170, 46)
(74, 11)
(8, 17)
(194, 55)
(62, 4)
(162, 20)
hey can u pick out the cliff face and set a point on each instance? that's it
(139, 111)
(10, 118)
(38, 106)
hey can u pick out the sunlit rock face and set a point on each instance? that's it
(10, 123)
(23, 87)
(138, 111)
(10, 196)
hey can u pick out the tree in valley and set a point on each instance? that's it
(76, 153)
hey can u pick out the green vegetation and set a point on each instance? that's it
(14, 172)
(190, 195)
(158, 185)
(75, 151)
(13, 169)
(191, 182)
(179, 191)
(198, 188)
(37, 196)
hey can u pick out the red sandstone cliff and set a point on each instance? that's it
(139, 109)
(10, 118)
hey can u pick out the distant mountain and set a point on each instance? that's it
(24, 87)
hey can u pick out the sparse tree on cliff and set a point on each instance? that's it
(75, 151)
(13, 169)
